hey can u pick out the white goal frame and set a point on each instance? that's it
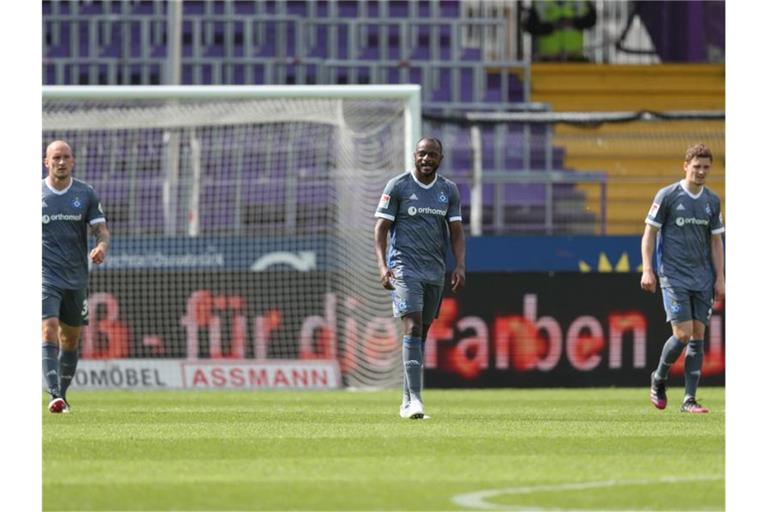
(410, 93)
(408, 96)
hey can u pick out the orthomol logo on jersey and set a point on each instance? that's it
(61, 216)
(428, 211)
(682, 221)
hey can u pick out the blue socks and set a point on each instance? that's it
(51, 368)
(694, 358)
(67, 367)
(669, 354)
(413, 360)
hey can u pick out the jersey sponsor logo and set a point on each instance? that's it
(682, 221)
(442, 197)
(384, 201)
(654, 209)
(428, 211)
(61, 216)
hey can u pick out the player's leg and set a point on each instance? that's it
(678, 310)
(50, 354)
(433, 298)
(407, 303)
(74, 314)
(413, 362)
(69, 339)
(694, 356)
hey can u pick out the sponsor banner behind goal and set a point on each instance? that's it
(502, 330)
(156, 374)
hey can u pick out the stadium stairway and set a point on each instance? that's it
(637, 159)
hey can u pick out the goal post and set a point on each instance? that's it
(242, 222)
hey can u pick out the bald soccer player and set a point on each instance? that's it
(70, 207)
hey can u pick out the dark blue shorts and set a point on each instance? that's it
(411, 296)
(69, 306)
(683, 305)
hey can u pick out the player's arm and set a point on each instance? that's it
(648, 243)
(459, 251)
(100, 231)
(380, 236)
(718, 262)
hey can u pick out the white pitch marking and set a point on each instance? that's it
(477, 500)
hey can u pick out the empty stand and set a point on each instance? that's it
(430, 42)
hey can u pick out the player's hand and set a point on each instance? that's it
(457, 279)
(386, 277)
(648, 281)
(719, 289)
(98, 254)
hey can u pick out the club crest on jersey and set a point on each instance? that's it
(76, 203)
(384, 201)
(442, 197)
(654, 210)
(708, 209)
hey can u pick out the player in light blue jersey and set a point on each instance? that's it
(686, 227)
(420, 215)
(70, 206)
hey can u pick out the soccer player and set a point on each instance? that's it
(420, 215)
(686, 227)
(69, 207)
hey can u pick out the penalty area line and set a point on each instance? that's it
(479, 500)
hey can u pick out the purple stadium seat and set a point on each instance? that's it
(297, 8)
(49, 74)
(150, 210)
(449, 8)
(244, 8)
(471, 54)
(94, 7)
(467, 89)
(347, 8)
(143, 7)
(398, 9)
(193, 7)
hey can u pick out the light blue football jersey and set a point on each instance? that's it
(686, 223)
(66, 216)
(419, 236)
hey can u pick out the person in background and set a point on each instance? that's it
(558, 29)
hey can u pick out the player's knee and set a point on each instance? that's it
(69, 343)
(414, 331)
(683, 336)
(69, 338)
(50, 330)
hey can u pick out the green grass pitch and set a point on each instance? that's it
(512, 449)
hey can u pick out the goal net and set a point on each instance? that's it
(242, 232)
